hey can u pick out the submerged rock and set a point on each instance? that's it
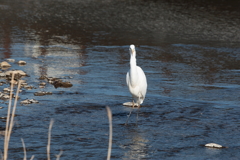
(42, 78)
(11, 60)
(42, 84)
(29, 101)
(42, 93)
(56, 82)
(62, 84)
(5, 96)
(28, 87)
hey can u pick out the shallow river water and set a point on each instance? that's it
(189, 52)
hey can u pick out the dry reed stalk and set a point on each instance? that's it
(24, 150)
(49, 139)
(6, 139)
(32, 157)
(14, 110)
(109, 113)
(59, 155)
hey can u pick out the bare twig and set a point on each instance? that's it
(109, 113)
(49, 139)
(24, 150)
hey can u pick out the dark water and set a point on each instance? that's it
(189, 51)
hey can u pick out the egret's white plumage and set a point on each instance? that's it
(136, 79)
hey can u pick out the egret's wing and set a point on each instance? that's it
(142, 81)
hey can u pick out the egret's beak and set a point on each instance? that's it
(132, 49)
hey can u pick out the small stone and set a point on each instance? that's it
(5, 96)
(42, 84)
(28, 87)
(20, 72)
(2, 75)
(2, 133)
(24, 84)
(11, 60)
(130, 104)
(213, 145)
(22, 62)
(25, 101)
(5, 64)
(42, 93)
(6, 89)
(42, 77)
(29, 101)
(33, 101)
(62, 84)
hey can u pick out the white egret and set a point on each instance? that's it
(136, 80)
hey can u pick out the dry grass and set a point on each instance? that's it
(49, 139)
(10, 123)
(24, 150)
(109, 113)
(10, 118)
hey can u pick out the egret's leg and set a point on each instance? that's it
(138, 106)
(130, 113)
(128, 117)
(137, 112)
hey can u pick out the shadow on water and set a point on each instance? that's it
(188, 49)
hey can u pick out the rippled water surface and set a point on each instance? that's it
(189, 52)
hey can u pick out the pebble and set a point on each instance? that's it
(213, 145)
(6, 89)
(22, 62)
(28, 87)
(5, 96)
(29, 101)
(2, 74)
(20, 72)
(42, 84)
(11, 60)
(42, 93)
(130, 104)
(2, 133)
(5, 64)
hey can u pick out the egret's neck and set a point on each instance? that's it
(133, 62)
(133, 71)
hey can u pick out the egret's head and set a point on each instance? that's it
(132, 50)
